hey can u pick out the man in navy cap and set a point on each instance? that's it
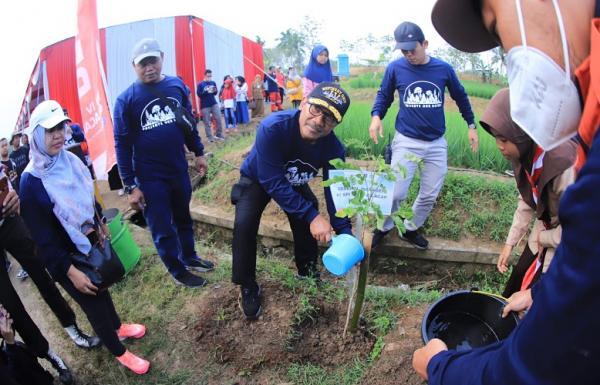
(420, 125)
(290, 148)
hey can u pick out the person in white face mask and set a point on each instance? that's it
(550, 45)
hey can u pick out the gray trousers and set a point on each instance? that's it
(434, 155)
(216, 112)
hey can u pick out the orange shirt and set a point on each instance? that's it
(588, 76)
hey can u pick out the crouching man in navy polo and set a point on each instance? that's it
(151, 158)
(290, 147)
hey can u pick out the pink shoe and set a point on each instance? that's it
(134, 363)
(131, 331)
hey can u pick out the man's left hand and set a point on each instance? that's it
(10, 204)
(201, 165)
(473, 139)
(421, 357)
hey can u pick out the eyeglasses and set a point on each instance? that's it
(328, 118)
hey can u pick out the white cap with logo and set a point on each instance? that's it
(47, 114)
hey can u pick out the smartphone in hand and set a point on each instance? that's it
(3, 191)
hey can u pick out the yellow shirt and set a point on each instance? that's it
(294, 89)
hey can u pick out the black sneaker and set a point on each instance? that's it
(81, 339)
(416, 239)
(64, 373)
(309, 272)
(377, 237)
(189, 280)
(199, 264)
(251, 302)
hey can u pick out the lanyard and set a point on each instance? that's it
(536, 172)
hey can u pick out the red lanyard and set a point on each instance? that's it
(536, 172)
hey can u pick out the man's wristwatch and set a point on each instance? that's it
(472, 126)
(129, 189)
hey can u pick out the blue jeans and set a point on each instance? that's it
(230, 120)
(168, 215)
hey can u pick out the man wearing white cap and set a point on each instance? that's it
(149, 146)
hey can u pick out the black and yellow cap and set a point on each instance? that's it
(332, 97)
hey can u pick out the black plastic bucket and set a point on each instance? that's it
(467, 319)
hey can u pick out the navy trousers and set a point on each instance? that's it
(168, 216)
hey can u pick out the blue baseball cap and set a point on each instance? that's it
(407, 36)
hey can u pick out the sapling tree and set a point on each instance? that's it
(365, 185)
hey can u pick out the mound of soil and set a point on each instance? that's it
(277, 337)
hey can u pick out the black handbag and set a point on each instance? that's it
(102, 265)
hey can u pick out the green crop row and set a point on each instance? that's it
(356, 126)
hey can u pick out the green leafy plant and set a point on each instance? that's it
(365, 185)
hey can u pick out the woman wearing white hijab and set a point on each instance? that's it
(58, 205)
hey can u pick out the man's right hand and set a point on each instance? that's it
(519, 302)
(321, 229)
(136, 199)
(376, 128)
(502, 263)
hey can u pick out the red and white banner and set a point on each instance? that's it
(95, 113)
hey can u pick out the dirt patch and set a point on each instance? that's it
(394, 366)
(277, 337)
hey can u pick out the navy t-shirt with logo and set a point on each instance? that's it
(206, 90)
(421, 93)
(281, 160)
(148, 142)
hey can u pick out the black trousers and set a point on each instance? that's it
(518, 273)
(250, 200)
(15, 238)
(101, 313)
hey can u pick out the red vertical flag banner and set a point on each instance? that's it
(95, 113)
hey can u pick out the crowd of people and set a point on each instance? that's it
(545, 124)
(236, 100)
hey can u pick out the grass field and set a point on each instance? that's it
(481, 90)
(471, 205)
(473, 87)
(356, 126)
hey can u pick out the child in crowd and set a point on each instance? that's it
(241, 100)
(228, 99)
(294, 88)
(542, 177)
(318, 69)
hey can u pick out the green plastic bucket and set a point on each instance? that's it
(121, 239)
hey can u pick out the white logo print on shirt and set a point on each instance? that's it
(422, 94)
(299, 172)
(155, 114)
